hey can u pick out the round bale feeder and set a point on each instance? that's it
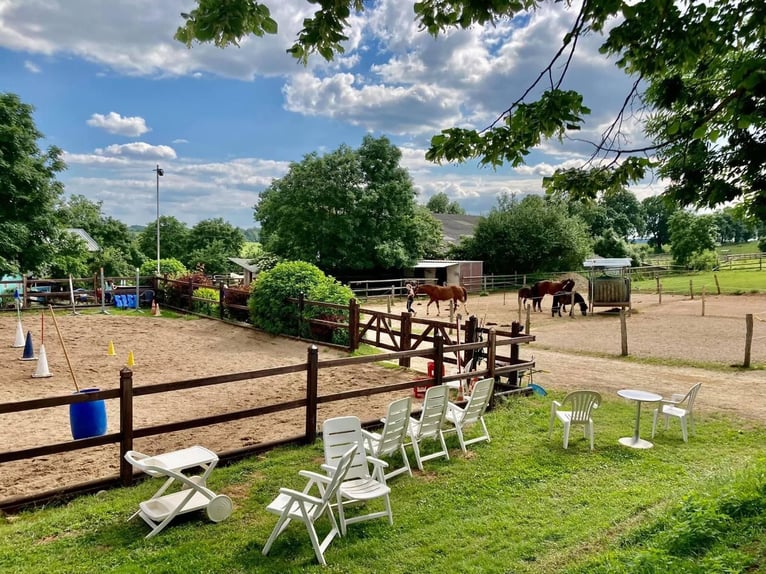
(608, 284)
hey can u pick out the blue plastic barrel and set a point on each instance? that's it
(87, 419)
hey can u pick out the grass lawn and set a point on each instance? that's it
(519, 504)
(736, 282)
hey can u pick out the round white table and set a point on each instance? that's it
(640, 397)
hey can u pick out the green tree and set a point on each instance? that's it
(210, 243)
(346, 210)
(28, 190)
(70, 256)
(427, 235)
(527, 236)
(440, 203)
(691, 235)
(698, 65)
(657, 213)
(171, 267)
(110, 233)
(174, 235)
(610, 244)
(624, 213)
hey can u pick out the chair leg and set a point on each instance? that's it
(683, 429)
(279, 527)
(405, 459)
(460, 438)
(654, 421)
(341, 515)
(589, 426)
(550, 424)
(566, 435)
(444, 445)
(416, 450)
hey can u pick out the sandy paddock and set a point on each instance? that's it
(579, 352)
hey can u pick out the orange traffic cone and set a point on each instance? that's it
(157, 309)
(154, 307)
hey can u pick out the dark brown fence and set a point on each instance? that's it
(126, 393)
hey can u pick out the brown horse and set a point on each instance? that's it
(437, 293)
(524, 294)
(543, 288)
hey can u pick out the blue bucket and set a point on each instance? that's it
(87, 419)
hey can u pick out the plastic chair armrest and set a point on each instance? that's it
(302, 496)
(377, 462)
(315, 476)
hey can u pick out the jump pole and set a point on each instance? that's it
(103, 295)
(63, 346)
(138, 303)
(71, 296)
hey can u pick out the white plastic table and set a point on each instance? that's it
(640, 397)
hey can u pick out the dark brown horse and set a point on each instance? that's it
(543, 288)
(524, 294)
(564, 298)
(437, 293)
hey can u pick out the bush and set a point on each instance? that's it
(762, 244)
(177, 293)
(703, 261)
(236, 296)
(172, 267)
(271, 311)
(208, 307)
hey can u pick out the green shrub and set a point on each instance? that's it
(703, 260)
(271, 311)
(172, 267)
(208, 307)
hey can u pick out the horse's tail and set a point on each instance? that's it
(465, 294)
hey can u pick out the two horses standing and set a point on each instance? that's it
(561, 291)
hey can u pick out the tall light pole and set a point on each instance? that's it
(159, 172)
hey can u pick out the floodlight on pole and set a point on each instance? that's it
(159, 173)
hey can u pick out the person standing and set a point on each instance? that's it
(410, 297)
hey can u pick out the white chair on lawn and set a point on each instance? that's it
(582, 404)
(194, 495)
(679, 406)
(473, 412)
(359, 485)
(308, 508)
(430, 424)
(391, 439)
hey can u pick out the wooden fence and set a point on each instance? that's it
(127, 392)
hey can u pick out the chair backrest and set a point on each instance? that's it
(395, 429)
(688, 401)
(339, 435)
(343, 465)
(478, 401)
(434, 410)
(582, 404)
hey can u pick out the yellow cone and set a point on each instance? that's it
(110, 350)
(131, 359)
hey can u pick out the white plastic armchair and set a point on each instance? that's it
(581, 404)
(307, 508)
(391, 439)
(430, 424)
(680, 406)
(473, 412)
(359, 485)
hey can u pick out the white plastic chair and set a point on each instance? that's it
(305, 507)
(360, 485)
(391, 439)
(473, 412)
(194, 495)
(582, 404)
(679, 406)
(430, 424)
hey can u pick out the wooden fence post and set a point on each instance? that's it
(312, 383)
(353, 325)
(513, 377)
(748, 339)
(691, 289)
(659, 290)
(491, 351)
(301, 305)
(221, 299)
(717, 286)
(528, 323)
(571, 304)
(470, 337)
(191, 293)
(405, 330)
(703, 300)
(438, 359)
(623, 333)
(126, 424)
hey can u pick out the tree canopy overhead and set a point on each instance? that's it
(700, 79)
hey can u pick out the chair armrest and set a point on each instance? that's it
(555, 406)
(315, 475)
(300, 495)
(454, 408)
(377, 462)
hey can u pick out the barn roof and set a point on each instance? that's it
(456, 226)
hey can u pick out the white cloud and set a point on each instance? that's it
(114, 123)
(180, 141)
(138, 149)
(32, 67)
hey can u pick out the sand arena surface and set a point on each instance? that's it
(579, 352)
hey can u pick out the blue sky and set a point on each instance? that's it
(114, 90)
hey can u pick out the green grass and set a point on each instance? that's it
(736, 282)
(519, 504)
